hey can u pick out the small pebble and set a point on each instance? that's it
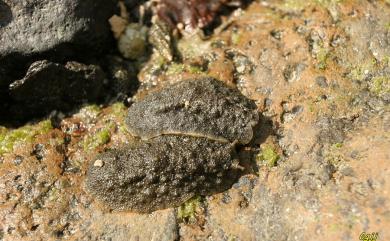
(240, 69)
(321, 81)
(297, 109)
(98, 163)
(18, 160)
(267, 102)
(277, 34)
(39, 151)
(347, 171)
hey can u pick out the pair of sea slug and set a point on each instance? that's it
(188, 134)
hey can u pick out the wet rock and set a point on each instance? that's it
(277, 34)
(122, 75)
(161, 173)
(241, 62)
(333, 130)
(39, 151)
(299, 199)
(55, 30)
(293, 72)
(369, 36)
(289, 115)
(50, 86)
(248, 222)
(160, 38)
(158, 226)
(322, 82)
(199, 107)
(18, 160)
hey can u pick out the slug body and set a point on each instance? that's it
(187, 137)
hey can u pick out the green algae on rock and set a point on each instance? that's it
(268, 155)
(380, 85)
(187, 211)
(98, 138)
(188, 133)
(25, 134)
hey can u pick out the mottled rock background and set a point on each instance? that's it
(319, 73)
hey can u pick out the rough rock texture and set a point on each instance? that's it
(160, 225)
(50, 86)
(328, 125)
(54, 30)
(198, 107)
(161, 173)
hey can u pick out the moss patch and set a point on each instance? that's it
(187, 211)
(360, 72)
(268, 155)
(299, 5)
(356, 73)
(334, 155)
(387, 26)
(178, 68)
(337, 145)
(295, 5)
(175, 68)
(118, 109)
(89, 112)
(235, 38)
(322, 58)
(118, 112)
(25, 134)
(53, 194)
(327, 3)
(380, 85)
(100, 137)
(92, 108)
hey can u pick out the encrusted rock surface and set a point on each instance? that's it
(320, 168)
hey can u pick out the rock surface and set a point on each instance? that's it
(160, 225)
(50, 86)
(329, 136)
(54, 30)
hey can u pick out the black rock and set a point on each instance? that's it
(123, 76)
(51, 29)
(50, 86)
